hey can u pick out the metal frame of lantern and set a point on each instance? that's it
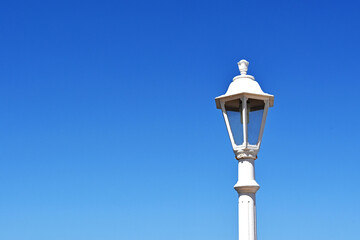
(244, 88)
(246, 149)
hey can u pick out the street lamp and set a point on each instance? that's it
(244, 107)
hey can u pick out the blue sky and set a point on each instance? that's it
(109, 129)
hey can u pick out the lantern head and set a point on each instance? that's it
(244, 107)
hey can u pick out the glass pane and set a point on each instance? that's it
(255, 111)
(233, 110)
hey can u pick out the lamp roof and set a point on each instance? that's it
(244, 85)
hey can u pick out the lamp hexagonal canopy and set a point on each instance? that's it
(244, 108)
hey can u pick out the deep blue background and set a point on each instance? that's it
(109, 130)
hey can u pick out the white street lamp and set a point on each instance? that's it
(244, 107)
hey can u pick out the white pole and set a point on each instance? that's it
(247, 188)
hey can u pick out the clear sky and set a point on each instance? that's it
(109, 131)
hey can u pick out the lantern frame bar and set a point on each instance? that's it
(227, 123)
(245, 120)
(266, 108)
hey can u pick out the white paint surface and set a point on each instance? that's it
(244, 88)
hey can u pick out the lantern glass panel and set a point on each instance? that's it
(255, 115)
(234, 113)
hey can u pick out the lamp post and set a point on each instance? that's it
(244, 107)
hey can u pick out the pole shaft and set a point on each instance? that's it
(247, 188)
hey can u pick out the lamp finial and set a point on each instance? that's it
(243, 66)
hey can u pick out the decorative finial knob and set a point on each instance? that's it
(243, 66)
